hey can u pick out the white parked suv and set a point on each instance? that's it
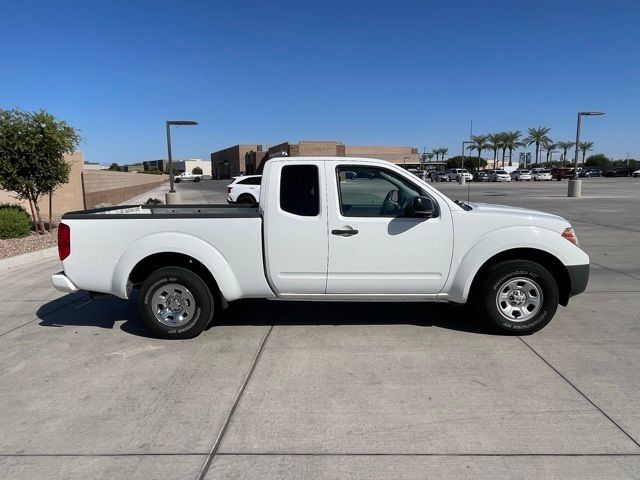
(521, 175)
(187, 177)
(499, 176)
(455, 173)
(244, 189)
(320, 236)
(541, 174)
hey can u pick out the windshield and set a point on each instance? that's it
(501, 172)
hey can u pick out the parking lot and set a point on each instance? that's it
(368, 391)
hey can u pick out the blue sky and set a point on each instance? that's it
(367, 73)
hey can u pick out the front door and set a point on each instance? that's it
(374, 248)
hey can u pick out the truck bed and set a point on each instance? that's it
(166, 211)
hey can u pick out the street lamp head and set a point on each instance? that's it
(591, 113)
(181, 122)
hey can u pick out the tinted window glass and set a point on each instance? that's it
(299, 190)
(374, 192)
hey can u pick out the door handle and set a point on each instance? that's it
(344, 232)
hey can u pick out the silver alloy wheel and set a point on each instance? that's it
(519, 299)
(173, 305)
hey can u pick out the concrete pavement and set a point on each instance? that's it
(283, 390)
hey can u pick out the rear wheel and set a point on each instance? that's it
(246, 200)
(196, 180)
(175, 303)
(518, 296)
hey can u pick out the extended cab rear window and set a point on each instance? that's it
(299, 190)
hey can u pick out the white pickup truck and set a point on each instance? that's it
(321, 233)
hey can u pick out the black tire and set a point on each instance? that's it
(526, 275)
(196, 180)
(200, 311)
(246, 200)
(176, 180)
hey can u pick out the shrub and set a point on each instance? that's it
(153, 201)
(196, 171)
(15, 222)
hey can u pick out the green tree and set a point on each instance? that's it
(584, 148)
(537, 136)
(32, 149)
(479, 143)
(511, 141)
(565, 146)
(197, 171)
(455, 162)
(114, 166)
(495, 144)
(597, 160)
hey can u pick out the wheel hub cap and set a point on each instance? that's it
(519, 299)
(173, 305)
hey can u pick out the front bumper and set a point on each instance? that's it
(61, 282)
(579, 276)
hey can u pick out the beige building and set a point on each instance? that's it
(255, 155)
(189, 165)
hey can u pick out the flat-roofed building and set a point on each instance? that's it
(232, 161)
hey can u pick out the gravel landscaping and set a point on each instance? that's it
(17, 246)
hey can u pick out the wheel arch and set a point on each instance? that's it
(246, 195)
(174, 249)
(153, 262)
(546, 259)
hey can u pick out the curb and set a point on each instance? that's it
(19, 260)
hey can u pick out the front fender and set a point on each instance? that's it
(465, 267)
(175, 242)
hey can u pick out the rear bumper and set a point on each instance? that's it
(579, 276)
(62, 283)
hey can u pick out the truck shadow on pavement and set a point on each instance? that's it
(109, 312)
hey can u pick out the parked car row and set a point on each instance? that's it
(524, 175)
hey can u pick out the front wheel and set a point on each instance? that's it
(175, 303)
(518, 297)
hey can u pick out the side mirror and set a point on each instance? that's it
(423, 207)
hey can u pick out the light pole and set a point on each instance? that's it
(461, 178)
(575, 184)
(173, 196)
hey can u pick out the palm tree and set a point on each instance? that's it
(503, 144)
(549, 146)
(479, 143)
(584, 148)
(443, 152)
(436, 152)
(565, 146)
(495, 144)
(537, 136)
(511, 142)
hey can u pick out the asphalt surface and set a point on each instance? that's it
(366, 391)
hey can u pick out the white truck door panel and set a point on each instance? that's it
(389, 254)
(296, 245)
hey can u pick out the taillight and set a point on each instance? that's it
(229, 190)
(570, 234)
(64, 241)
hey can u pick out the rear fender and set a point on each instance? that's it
(174, 242)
